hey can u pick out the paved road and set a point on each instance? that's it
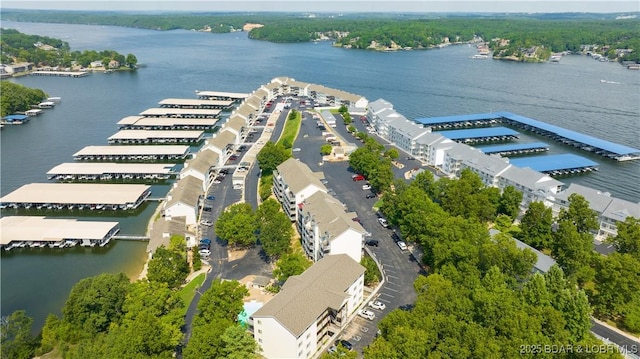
(628, 345)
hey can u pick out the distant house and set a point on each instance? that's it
(543, 262)
(96, 64)
(113, 64)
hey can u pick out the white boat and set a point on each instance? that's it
(479, 56)
(46, 104)
(54, 99)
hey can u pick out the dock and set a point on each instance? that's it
(167, 123)
(144, 137)
(141, 153)
(557, 165)
(196, 104)
(460, 121)
(216, 95)
(34, 112)
(83, 171)
(39, 232)
(515, 149)
(60, 73)
(80, 196)
(15, 119)
(480, 135)
(180, 112)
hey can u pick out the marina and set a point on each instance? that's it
(82, 171)
(166, 123)
(221, 96)
(15, 119)
(60, 73)
(196, 104)
(515, 149)
(557, 165)
(34, 112)
(459, 121)
(143, 137)
(180, 112)
(480, 135)
(68, 196)
(39, 232)
(142, 153)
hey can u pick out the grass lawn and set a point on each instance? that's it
(378, 204)
(290, 130)
(189, 291)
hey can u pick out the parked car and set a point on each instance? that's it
(357, 177)
(370, 195)
(372, 242)
(346, 344)
(377, 305)
(395, 237)
(366, 187)
(367, 314)
(205, 241)
(204, 252)
(297, 149)
(211, 198)
(202, 246)
(356, 219)
(402, 245)
(383, 222)
(206, 222)
(207, 209)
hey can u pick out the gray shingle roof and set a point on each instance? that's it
(298, 175)
(306, 297)
(223, 139)
(329, 215)
(187, 191)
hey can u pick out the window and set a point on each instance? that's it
(259, 321)
(259, 340)
(259, 331)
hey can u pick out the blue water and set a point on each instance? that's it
(419, 84)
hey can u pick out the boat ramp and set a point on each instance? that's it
(557, 165)
(83, 171)
(40, 232)
(142, 153)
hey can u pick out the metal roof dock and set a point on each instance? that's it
(196, 103)
(83, 171)
(557, 165)
(15, 119)
(216, 95)
(77, 195)
(515, 149)
(135, 137)
(166, 123)
(38, 231)
(459, 121)
(180, 112)
(142, 153)
(479, 135)
(588, 143)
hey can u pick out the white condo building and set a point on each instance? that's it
(326, 228)
(293, 182)
(309, 308)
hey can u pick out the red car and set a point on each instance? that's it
(358, 178)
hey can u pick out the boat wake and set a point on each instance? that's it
(609, 82)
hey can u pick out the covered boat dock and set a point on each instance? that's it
(142, 153)
(196, 103)
(480, 135)
(515, 149)
(144, 137)
(167, 123)
(83, 171)
(216, 95)
(80, 196)
(38, 232)
(15, 119)
(459, 121)
(557, 165)
(180, 112)
(584, 142)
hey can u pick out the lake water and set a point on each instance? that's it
(419, 84)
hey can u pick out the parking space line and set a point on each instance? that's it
(393, 290)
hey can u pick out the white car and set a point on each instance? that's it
(383, 222)
(377, 305)
(204, 252)
(296, 149)
(402, 245)
(366, 187)
(367, 314)
(206, 222)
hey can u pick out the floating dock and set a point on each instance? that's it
(180, 112)
(34, 112)
(133, 153)
(515, 149)
(79, 196)
(460, 121)
(38, 232)
(15, 119)
(143, 137)
(196, 104)
(79, 171)
(480, 135)
(557, 165)
(216, 95)
(166, 123)
(60, 73)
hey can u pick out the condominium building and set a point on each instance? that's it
(309, 308)
(293, 182)
(326, 228)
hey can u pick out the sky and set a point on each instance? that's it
(501, 6)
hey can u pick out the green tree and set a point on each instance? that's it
(143, 336)
(290, 264)
(17, 98)
(616, 284)
(371, 272)
(580, 214)
(326, 149)
(237, 225)
(131, 60)
(628, 238)
(177, 243)
(535, 226)
(206, 339)
(509, 202)
(237, 343)
(274, 228)
(271, 156)
(16, 340)
(351, 128)
(223, 300)
(392, 153)
(574, 251)
(168, 267)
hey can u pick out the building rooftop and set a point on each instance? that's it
(298, 176)
(144, 134)
(170, 112)
(223, 139)
(166, 121)
(194, 102)
(512, 147)
(426, 121)
(36, 228)
(329, 215)
(218, 94)
(305, 297)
